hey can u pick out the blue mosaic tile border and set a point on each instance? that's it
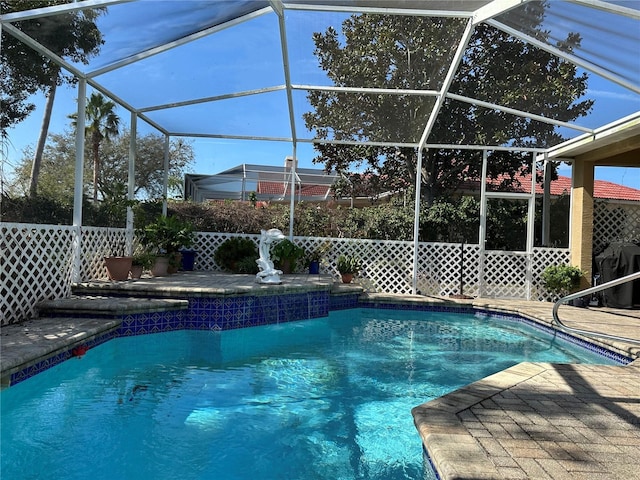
(344, 302)
(420, 307)
(608, 354)
(428, 464)
(227, 313)
(57, 358)
(567, 337)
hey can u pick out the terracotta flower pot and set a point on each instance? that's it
(136, 271)
(118, 267)
(160, 267)
(347, 277)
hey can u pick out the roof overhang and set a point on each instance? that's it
(615, 144)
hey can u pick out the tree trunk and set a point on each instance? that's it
(44, 131)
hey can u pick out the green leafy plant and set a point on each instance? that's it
(317, 254)
(166, 235)
(234, 254)
(561, 279)
(143, 259)
(247, 265)
(348, 264)
(286, 254)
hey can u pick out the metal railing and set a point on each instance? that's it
(590, 291)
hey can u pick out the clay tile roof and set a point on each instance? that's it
(278, 189)
(601, 188)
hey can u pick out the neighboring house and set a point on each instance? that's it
(260, 182)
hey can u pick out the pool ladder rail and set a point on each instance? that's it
(590, 291)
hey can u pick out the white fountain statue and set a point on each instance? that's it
(268, 273)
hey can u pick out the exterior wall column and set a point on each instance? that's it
(581, 242)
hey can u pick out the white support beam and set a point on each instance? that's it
(414, 12)
(546, 203)
(214, 98)
(567, 56)
(131, 180)
(78, 186)
(446, 85)
(519, 113)
(416, 224)
(165, 176)
(495, 8)
(58, 9)
(370, 90)
(482, 232)
(609, 7)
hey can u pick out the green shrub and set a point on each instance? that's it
(285, 255)
(235, 252)
(561, 279)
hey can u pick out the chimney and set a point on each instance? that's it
(288, 163)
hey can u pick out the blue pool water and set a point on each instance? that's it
(322, 399)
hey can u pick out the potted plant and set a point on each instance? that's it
(286, 254)
(562, 280)
(236, 254)
(142, 260)
(314, 257)
(164, 238)
(118, 264)
(348, 266)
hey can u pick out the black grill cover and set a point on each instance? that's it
(616, 261)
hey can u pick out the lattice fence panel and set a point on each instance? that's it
(36, 265)
(97, 243)
(542, 258)
(439, 269)
(206, 244)
(505, 275)
(615, 222)
(386, 264)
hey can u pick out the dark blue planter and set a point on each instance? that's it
(188, 259)
(314, 267)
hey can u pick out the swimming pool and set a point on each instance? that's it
(328, 398)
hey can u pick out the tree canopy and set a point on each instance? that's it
(71, 35)
(413, 52)
(57, 176)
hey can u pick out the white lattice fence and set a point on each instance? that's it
(97, 243)
(542, 258)
(615, 222)
(36, 265)
(505, 275)
(439, 269)
(386, 264)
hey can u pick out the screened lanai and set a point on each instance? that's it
(246, 70)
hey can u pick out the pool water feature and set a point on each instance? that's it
(328, 398)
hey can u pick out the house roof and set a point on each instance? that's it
(268, 182)
(562, 185)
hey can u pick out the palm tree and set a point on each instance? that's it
(102, 123)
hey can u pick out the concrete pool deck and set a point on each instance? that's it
(534, 420)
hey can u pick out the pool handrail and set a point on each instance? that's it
(589, 291)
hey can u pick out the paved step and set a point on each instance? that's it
(107, 306)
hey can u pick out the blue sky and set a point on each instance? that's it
(215, 155)
(256, 46)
